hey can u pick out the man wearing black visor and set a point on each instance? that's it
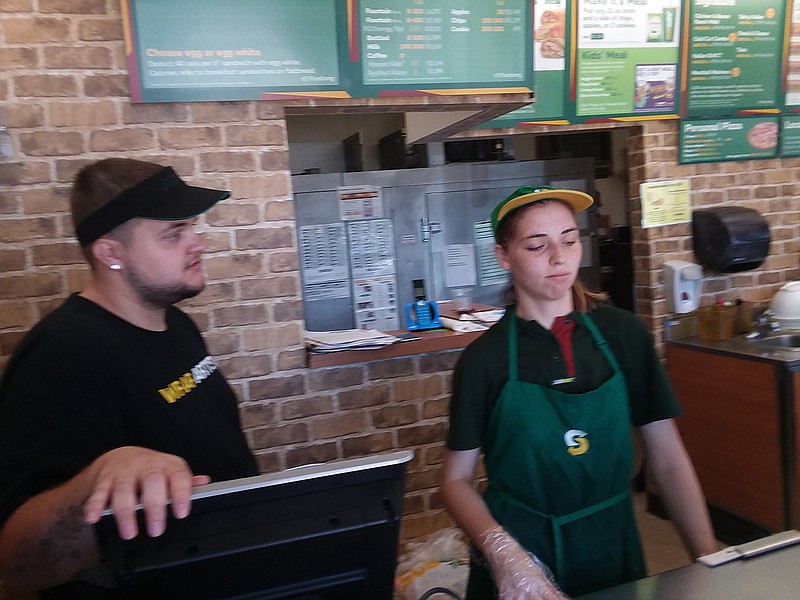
(113, 400)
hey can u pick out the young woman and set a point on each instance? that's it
(550, 395)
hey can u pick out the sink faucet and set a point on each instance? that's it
(765, 325)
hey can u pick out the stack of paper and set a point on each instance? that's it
(348, 339)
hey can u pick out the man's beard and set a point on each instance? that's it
(160, 295)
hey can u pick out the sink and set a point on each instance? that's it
(787, 340)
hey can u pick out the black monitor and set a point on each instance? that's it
(318, 532)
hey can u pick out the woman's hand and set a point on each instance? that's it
(517, 574)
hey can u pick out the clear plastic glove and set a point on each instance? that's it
(517, 574)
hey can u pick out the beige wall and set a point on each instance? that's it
(65, 99)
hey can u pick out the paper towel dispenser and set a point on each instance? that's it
(728, 239)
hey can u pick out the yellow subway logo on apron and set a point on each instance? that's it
(576, 442)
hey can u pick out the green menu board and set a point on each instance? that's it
(791, 81)
(186, 50)
(625, 59)
(416, 44)
(733, 54)
(790, 136)
(549, 65)
(737, 138)
(211, 50)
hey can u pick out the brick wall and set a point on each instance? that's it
(64, 97)
(770, 187)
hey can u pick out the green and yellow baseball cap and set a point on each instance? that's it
(529, 194)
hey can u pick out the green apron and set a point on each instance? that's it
(559, 468)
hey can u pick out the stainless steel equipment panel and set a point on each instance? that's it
(440, 222)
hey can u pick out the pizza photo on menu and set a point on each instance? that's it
(763, 135)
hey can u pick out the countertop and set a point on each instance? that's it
(744, 347)
(429, 341)
(765, 577)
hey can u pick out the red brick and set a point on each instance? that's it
(221, 112)
(77, 57)
(254, 415)
(335, 378)
(37, 30)
(277, 387)
(46, 143)
(30, 286)
(17, 313)
(269, 287)
(24, 116)
(307, 407)
(101, 86)
(265, 238)
(374, 395)
(47, 86)
(17, 58)
(338, 425)
(76, 7)
(122, 140)
(260, 134)
(283, 262)
(393, 416)
(227, 162)
(25, 229)
(309, 455)
(11, 6)
(74, 114)
(189, 137)
(288, 360)
(66, 253)
(366, 445)
(12, 260)
(167, 112)
(280, 435)
(95, 30)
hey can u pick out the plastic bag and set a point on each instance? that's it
(441, 561)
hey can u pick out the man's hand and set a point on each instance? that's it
(127, 476)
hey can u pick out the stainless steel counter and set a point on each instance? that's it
(743, 347)
(774, 576)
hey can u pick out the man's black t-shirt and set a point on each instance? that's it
(84, 381)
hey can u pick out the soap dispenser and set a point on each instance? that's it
(683, 282)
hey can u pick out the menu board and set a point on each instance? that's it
(207, 50)
(625, 58)
(187, 50)
(416, 43)
(732, 57)
(790, 136)
(738, 138)
(549, 65)
(791, 81)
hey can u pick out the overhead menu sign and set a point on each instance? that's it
(738, 138)
(790, 136)
(418, 43)
(185, 50)
(732, 57)
(188, 50)
(791, 65)
(625, 58)
(549, 64)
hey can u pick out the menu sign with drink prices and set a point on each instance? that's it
(549, 66)
(192, 50)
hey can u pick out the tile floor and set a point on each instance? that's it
(663, 548)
